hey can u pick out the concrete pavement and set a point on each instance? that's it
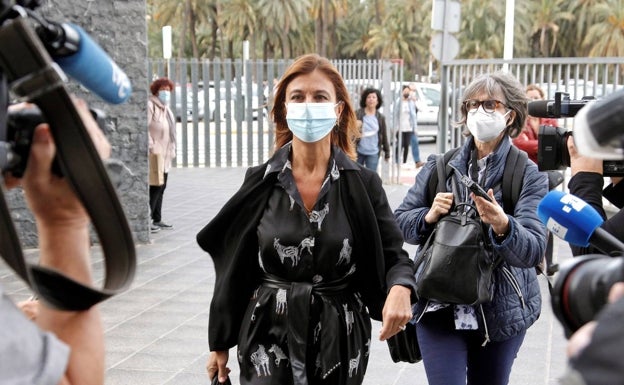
(156, 332)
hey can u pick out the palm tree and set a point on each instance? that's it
(482, 29)
(280, 17)
(547, 17)
(606, 37)
(239, 21)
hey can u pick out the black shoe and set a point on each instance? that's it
(552, 269)
(154, 229)
(163, 225)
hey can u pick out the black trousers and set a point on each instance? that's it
(156, 198)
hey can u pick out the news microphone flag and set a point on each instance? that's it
(569, 217)
(94, 69)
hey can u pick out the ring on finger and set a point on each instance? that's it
(402, 327)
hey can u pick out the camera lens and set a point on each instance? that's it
(552, 148)
(582, 288)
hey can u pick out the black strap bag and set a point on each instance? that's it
(456, 264)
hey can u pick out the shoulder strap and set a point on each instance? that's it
(437, 180)
(513, 176)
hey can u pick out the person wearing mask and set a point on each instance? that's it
(528, 142)
(373, 138)
(405, 115)
(162, 141)
(478, 344)
(58, 347)
(307, 250)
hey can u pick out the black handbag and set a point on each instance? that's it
(403, 346)
(456, 264)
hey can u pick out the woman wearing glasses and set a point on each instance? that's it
(477, 344)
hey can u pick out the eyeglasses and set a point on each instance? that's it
(488, 105)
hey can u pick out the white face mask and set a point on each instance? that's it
(310, 122)
(485, 126)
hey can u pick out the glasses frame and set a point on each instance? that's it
(480, 103)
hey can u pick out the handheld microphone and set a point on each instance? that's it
(599, 128)
(575, 221)
(84, 60)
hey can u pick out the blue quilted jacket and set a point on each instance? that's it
(517, 299)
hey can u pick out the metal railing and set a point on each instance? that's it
(580, 77)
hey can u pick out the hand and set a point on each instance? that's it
(441, 205)
(50, 197)
(579, 163)
(397, 311)
(582, 337)
(30, 308)
(491, 213)
(217, 365)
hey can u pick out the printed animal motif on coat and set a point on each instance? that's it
(260, 360)
(280, 301)
(284, 252)
(279, 355)
(292, 203)
(348, 318)
(345, 252)
(317, 332)
(317, 279)
(319, 216)
(306, 244)
(353, 364)
(335, 173)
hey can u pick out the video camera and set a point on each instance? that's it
(552, 152)
(582, 285)
(35, 55)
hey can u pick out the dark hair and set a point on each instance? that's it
(344, 133)
(160, 83)
(369, 91)
(499, 83)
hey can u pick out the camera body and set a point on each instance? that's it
(552, 150)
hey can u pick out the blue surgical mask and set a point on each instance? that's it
(164, 96)
(310, 122)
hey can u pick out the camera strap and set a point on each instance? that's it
(33, 76)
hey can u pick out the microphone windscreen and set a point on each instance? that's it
(539, 108)
(94, 69)
(569, 217)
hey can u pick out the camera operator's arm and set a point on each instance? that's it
(62, 224)
(595, 350)
(586, 183)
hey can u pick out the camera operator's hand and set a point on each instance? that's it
(579, 163)
(582, 337)
(64, 242)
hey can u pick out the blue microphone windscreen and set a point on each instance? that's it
(569, 217)
(94, 69)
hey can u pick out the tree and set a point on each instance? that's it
(606, 37)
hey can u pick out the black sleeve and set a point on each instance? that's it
(615, 194)
(588, 187)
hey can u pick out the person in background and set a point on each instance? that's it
(405, 115)
(478, 344)
(59, 347)
(415, 142)
(162, 140)
(307, 250)
(373, 139)
(528, 142)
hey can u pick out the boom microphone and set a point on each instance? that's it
(84, 60)
(575, 221)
